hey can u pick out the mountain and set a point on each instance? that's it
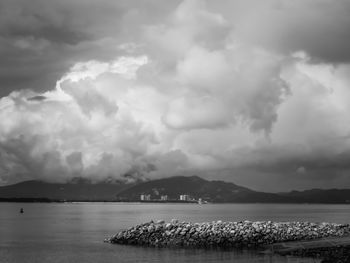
(194, 186)
(82, 190)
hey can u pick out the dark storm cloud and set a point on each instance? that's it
(40, 40)
(319, 27)
(293, 166)
(282, 160)
(40, 27)
(28, 71)
(35, 43)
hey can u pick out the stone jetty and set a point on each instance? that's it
(224, 234)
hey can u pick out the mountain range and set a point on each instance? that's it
(74, 190)
(193, 187)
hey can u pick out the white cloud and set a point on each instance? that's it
(125, 66)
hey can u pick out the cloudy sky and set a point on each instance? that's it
(249, 91)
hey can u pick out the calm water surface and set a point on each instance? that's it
(74, 232)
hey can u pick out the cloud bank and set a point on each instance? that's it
(186, 92)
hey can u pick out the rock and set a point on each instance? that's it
(224, 234)
(174, 221)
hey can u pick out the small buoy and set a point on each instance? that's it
(21, 211)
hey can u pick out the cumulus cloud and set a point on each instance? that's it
(211, 68)
(63, 138)
(185, 92)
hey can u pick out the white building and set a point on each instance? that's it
(184, 197)
(164, 198)
(145, 197)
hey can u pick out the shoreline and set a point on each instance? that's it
(329, 254)
(332, 249)
(48, 200)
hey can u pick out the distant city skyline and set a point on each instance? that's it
(248, 91)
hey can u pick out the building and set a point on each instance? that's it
(184, 197)
(145, 197)
(164, 198)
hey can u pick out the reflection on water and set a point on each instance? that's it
(74, 232)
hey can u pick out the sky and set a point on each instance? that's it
(247, 91)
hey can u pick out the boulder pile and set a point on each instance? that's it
(224, 234)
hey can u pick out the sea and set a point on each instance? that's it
(74, 232)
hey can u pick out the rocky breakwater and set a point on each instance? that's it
(224, 234)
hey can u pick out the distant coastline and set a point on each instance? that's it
(29, 200)
(47, 200)
(177, 189)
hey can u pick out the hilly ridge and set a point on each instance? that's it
(197, 187)
(194, 186)
(79, 190)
